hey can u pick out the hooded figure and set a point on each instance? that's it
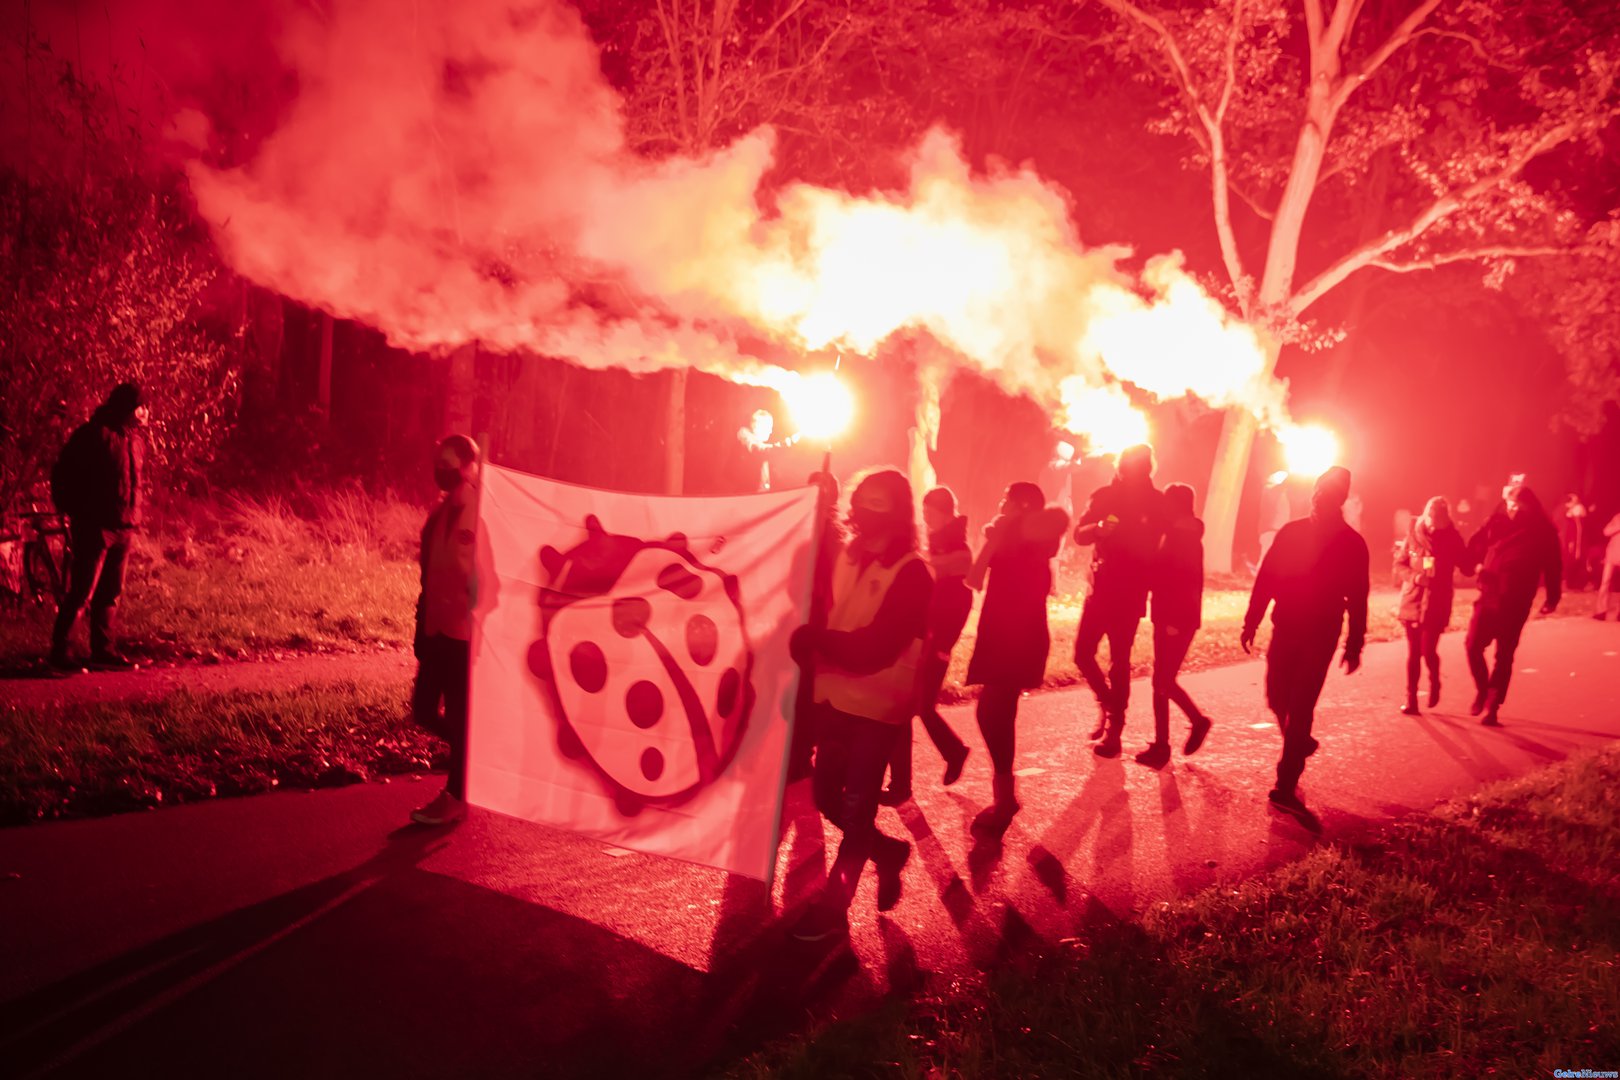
(1009, 654)
(1315, 573)
(1178, 601)
(1126, 522)
(97, 482)
(1426, 562)
(1517, 550)
(950, 558)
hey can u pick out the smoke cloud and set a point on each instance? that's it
(452, 173)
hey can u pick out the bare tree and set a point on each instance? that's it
(1472, 98)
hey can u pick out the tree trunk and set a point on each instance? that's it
(323, 378)
(675, 434)
(458, 398)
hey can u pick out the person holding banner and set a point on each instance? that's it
(444, 619)
(1009, 656)
(864, 689)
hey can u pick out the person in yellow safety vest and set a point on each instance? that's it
(865, 662)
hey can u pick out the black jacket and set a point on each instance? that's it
(1122, 567)
(952, 599)
(1316, 572)
(1013, 639)
(98, 477)
(1515, 554)
(1178, 576)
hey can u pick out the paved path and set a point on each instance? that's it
(309, 934)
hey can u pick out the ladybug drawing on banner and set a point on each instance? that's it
(647, 658)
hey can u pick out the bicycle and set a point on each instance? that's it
(34, 556)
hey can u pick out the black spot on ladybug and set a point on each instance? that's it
(726, 697)
(644, 703)
(652, 763)
(631, 615)
(702, 639)
(588, 666)
(677, 579)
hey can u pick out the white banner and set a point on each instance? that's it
(630, 674)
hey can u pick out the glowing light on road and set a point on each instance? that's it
(1309, 450)
(1103, 416)
(821, 406)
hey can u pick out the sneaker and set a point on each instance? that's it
(893, 797)
(1479, 703)
(821, 922)
(1156, 756)
(444, 809)
(1287, 800)
(1200, 728)
(1411, 707)
(1490, 718)
(1601, 616)
(111, 660)
(953, 766)
(1108, 748)
(889, 857)
(62, 662)
(1434, 692)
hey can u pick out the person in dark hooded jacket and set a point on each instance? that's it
(1316, 572)
(1125, 520)
(950, 558)
(1178, 602)
(1009, 654)
(97, 482)
(1426, 562)
(1517, 550)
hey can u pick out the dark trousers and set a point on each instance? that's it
(997, 715)
(1296, 668)
(441, 677)
(1169, 651)
(1503, 626)
(1113, 690)
(852, 753)
(1422, 647)
(99, 556)
(930, 678)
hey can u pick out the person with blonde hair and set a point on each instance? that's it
(1426, 562)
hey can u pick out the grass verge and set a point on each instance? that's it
(326, 570)
(92, 758)
(1480, 940)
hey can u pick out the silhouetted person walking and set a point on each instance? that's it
(1315, 572)
(1426, 562)
(444, 619)
(1611, 564)
(1009, 653)
(865, 689)
(1517, 549)
(97, 482)
(1178, 608)
(1125, 520)
(951, 559)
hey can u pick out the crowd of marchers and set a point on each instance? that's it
(893, 608)
(889, 605)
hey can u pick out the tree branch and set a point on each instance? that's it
(1211, 121)
(1493, 251)
(1398, 39)
(1437, 211)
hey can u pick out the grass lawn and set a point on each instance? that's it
(85, 759)
(329, 570)
(1480, 940)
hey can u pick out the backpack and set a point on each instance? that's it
(70, 475)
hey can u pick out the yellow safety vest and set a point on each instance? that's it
(889, 695)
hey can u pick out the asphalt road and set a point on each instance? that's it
(317, 935)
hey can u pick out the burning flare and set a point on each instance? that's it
(1103, 416)
(821, 405)
(1308, 450)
